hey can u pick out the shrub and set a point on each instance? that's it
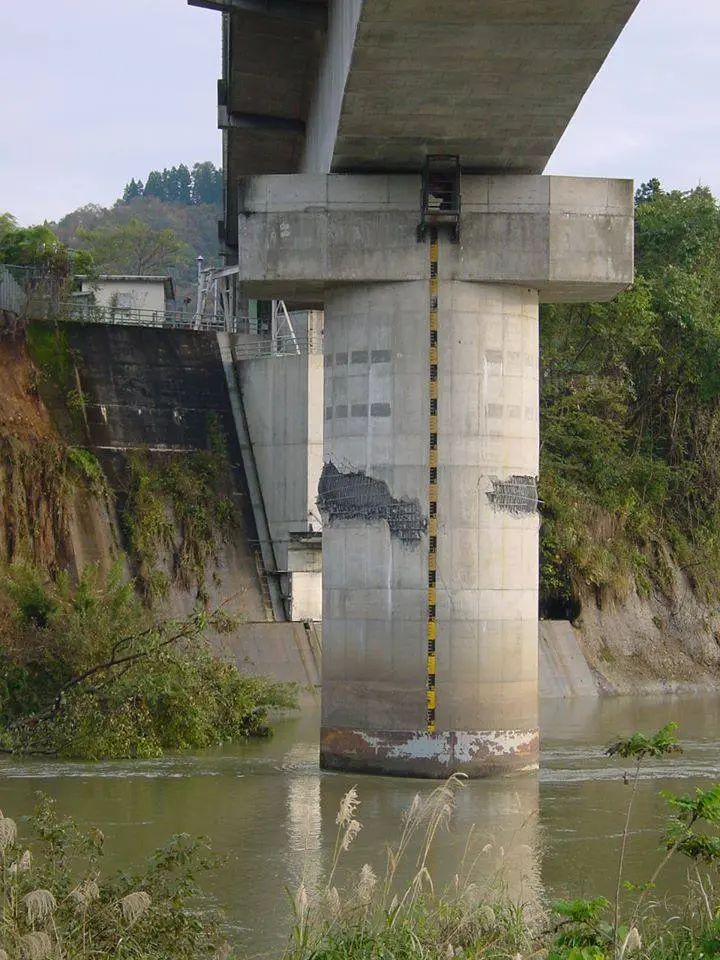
(87, 673)
(54, 901)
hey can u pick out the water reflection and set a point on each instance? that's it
(269, 809)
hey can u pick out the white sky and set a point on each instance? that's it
(95, 92)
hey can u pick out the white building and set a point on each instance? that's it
(130, 297)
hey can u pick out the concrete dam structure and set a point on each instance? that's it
(383, 160)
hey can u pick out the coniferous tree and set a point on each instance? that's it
(184, 179)
(207, 183)
(201, 185)
(155, 186)
(132, 190)
(170, 185)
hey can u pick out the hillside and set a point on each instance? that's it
(175, 200)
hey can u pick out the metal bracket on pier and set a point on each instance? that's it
(440, 204)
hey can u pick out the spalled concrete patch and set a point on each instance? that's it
(353, 495)
(415, 753)
(517, 495)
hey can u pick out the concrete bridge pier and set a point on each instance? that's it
(431, 445)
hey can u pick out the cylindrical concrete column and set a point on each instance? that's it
(374, 495)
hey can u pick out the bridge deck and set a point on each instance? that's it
(377, 84)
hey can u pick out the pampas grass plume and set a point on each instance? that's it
(134, 905)
(351, 831)
(36, 945)
(366, 884)
(39, 904)
(348, 805)
(8, 831)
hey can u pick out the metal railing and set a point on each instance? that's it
(252, 347)
(13, 289)
(80, 311)
(32, 293)
(248, 345)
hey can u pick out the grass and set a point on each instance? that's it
(398, 911)
(178, 509)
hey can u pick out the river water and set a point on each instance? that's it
(271, 812)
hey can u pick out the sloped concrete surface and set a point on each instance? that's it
(564, 671)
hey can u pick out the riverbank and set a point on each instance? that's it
(651, 645)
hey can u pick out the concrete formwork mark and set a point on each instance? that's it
(517, 495)
(353, 495)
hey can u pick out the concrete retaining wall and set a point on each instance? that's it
(285, 651)
(564, 671)
(283, 401)
(156, 390)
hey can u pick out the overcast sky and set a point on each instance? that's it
(95, 92)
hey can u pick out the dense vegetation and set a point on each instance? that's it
(86, 670)
(179, 507)
(36, 247)
(630, 417)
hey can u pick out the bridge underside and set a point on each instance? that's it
(377, 85)
(495, 82)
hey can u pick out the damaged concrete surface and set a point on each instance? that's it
(517, 495)
(356, 496)
(415, 753)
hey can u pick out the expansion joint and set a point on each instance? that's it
(433, 486)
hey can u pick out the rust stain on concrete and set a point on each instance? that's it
(415, 753)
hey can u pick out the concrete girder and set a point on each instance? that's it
(227, 120)
(379, 84)
(495, 82)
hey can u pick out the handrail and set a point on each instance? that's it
(13, 297)
(248, 346)
(77, 311)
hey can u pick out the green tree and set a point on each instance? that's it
(207, 183)
(132, 191)
(86, 671)
(170, 185)
(155, 185)
(184, 185)
(29, 246)
(7, 223)
(630, 414)
(179, 185)
(132, 248)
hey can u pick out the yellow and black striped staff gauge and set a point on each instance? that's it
(433, 486)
